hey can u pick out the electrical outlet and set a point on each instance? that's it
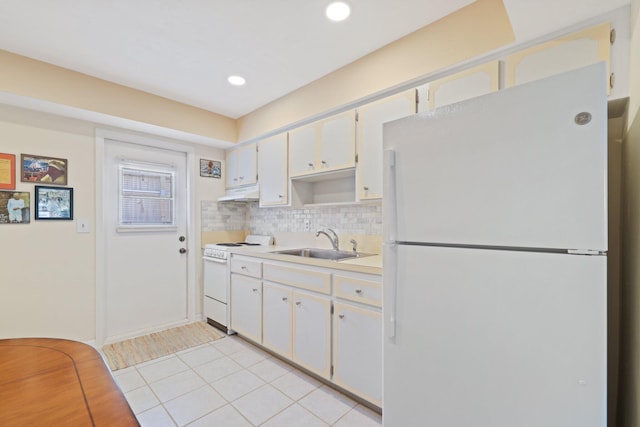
(307, 225)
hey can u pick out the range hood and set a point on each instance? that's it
(249, 193)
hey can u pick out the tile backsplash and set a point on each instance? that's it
(349, 219)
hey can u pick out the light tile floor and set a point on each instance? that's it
(231, 383)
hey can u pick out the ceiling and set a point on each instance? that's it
(184, 50)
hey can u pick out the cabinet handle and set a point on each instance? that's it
(280, 196)
(255, 290)
(359, 291)
(311, 165)
(341, 316)
(244, 267)
(285, 299)
(366, 188)
(242, 177)
(235, 179)
(298, 303)
(324, 163)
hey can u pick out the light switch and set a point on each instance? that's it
(82, 225)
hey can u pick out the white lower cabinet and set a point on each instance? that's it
(277, 318)
(357, 351)
(246, 306)
(289, 311)
(312, 332)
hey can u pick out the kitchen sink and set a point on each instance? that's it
(329, 254)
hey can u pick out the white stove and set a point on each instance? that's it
(221, 250)
(216, 278)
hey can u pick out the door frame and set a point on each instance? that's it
(151, 142)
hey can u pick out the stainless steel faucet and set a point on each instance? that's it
(333, 237)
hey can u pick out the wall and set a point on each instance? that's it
(629, 403)
(34, 79)
(48, 270)
(476, 29)
(353, 219)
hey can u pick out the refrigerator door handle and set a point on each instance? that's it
(389, 190)
(390, 281)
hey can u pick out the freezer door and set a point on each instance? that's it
(495, 338)
(524, 166)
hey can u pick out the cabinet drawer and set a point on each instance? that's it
(306, 279)
(364, 291)
(246, 267)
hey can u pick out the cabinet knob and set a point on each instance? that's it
(298, 303)
(280, 196)
(255, 290)
(235, 179)
(285, 299)
(366, 188)
(242, 177)
(244, 267)
(359, 291)
(341, 316)
(311, 165)
(324, 163)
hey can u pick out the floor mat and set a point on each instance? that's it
(148, 347)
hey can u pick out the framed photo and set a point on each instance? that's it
(49, 170)
(55, 203)
(14, 207)
(210, 168)
(7, 171)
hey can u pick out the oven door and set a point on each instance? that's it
(216, 277)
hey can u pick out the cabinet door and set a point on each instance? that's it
(370, 120)
(357, 351)
(277, 302)
(302, 150)
(312, 332)
(337, 142)
(247, 165)
(468, 84)
(272, 163)
(567, 53)
(246, 306)
(231, 161)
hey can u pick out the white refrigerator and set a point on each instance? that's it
(495, 244)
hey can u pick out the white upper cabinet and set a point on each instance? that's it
(370, 120)
(323, 146)
(242, 166)
(272, 166)
(567, 53)
(467, 84)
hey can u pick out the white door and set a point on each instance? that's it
(145, 231)
(357, 350)
(495, 338)
(272, 163)
(277, 318)
(246, 306)
(338, 141)
(525, 166)
(312, 332)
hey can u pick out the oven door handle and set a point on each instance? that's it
(218, 260)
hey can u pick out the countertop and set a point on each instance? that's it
(367, 264)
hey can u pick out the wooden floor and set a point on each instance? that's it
(50, 382)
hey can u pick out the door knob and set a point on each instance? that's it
(183, 250)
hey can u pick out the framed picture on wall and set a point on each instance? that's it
(53, 203)
(7, 171)
(210, 168)
(14, 207)
(49, 170)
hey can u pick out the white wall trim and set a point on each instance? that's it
(192, 251)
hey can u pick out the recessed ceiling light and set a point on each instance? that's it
(236, 80)
(338, 11)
